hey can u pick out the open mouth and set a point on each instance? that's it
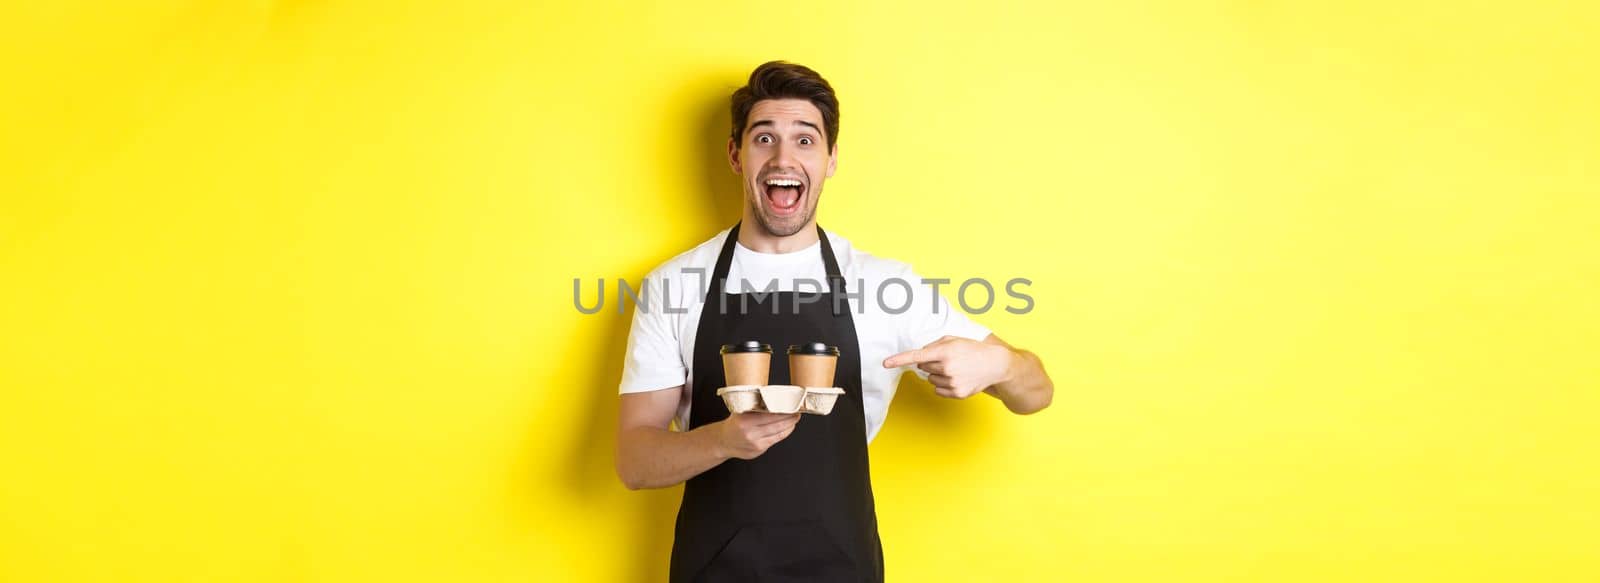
(783, 194)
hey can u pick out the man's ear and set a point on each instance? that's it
(833, 160)
(733, 156)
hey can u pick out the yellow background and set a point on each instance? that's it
(287, 286)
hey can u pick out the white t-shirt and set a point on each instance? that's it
(667, 316)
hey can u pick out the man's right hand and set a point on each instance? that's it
(748, 435)
(651, 455)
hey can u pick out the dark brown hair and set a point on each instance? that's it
(782, 80)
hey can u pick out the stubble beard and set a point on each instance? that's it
(778, 227)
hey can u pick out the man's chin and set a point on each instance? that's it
(783, 226)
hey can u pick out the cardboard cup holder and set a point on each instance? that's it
(779, 398)
(820, 400)
(782, 398)
(740, 398)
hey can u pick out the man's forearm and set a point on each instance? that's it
(1027, 388)
(652, 457)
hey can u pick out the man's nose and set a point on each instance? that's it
(783, 158)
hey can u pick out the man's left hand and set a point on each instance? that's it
(958, 367)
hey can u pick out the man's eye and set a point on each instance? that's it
(805, 141)
(763, 139)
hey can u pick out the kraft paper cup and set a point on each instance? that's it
(820, 400)
(783, 398)
(740, 398)
(746, 363)
(812, 364)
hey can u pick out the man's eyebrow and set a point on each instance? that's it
(769, 123)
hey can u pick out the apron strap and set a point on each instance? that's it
(719, 274)
(836, 285)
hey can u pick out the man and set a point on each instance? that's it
(773, 496)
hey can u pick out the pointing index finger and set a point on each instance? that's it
(910, 357)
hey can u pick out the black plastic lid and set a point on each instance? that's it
(814, 349)
(747, 346)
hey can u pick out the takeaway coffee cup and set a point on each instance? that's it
(746, 363)
(811, 364)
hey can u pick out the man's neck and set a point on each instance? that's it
(756, 238)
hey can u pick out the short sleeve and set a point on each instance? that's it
(931, 317)
(653, 361)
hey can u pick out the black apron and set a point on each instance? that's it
(803, 510)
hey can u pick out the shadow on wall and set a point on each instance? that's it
(589, 464)
(919, 415)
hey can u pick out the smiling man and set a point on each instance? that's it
(773, 497)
